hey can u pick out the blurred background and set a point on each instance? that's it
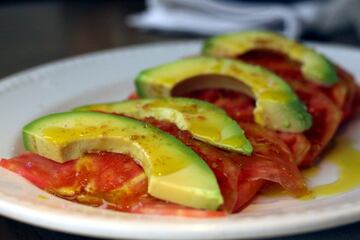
(35, 32)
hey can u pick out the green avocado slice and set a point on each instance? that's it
(203, 120)
(277, 106)
(315, 67)
(175, 173)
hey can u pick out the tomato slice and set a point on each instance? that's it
(328, 105)
(347, 97)
(93, 174)
(306, 147)
(298, 144)
(109, 180)
(342, 94)
(326, 120)
(324, 102)
(240, 177)
(240, 107)
(237, 105)
(117, 181)
(272, 160)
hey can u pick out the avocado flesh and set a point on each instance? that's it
(315, 67)
(203, 120)
(273, 95)
(175, 173)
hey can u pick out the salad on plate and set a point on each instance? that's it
(201, 136)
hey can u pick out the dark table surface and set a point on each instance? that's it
(38, 32)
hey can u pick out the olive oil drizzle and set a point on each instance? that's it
(347, 160)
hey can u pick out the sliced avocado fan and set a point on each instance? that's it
(203, 120)
(175, 173)
(315, 67)
(277, 106)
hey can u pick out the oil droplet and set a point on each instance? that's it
(204, 128)
(62, 135)
(41, 197)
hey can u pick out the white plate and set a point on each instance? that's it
(107, 76)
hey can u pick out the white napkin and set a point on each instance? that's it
(209, 17)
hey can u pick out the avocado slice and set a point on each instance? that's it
(277, 106)
(203, 120)
(315, 67)
(175, 173)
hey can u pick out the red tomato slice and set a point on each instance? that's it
(104, 179)
(240, 177)
(240, 107)
(342, 94)
(298, 144)
(326, 120)
(43, 173)
(94, 174)
(272, 160)
(237, 105)
(347, 100)
(327, 105)
(117, 180)
(304, 147)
